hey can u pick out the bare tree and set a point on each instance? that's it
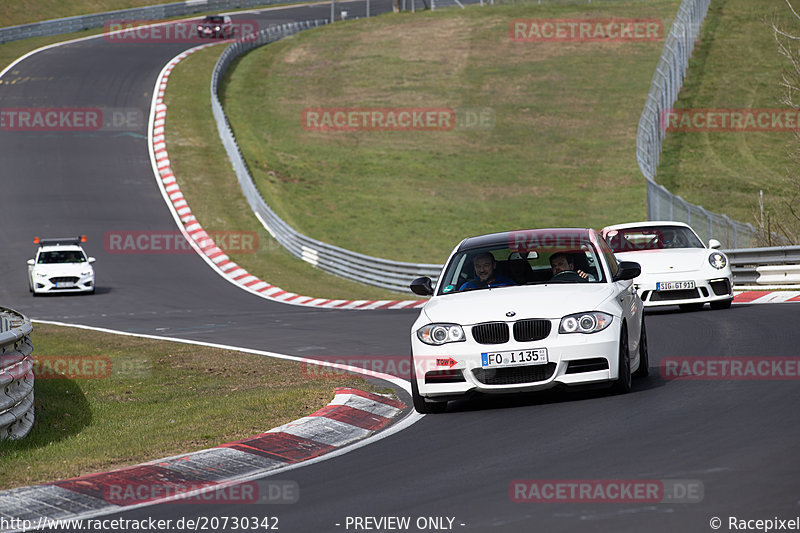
(786, 218)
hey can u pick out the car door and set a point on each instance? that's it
(628, 299)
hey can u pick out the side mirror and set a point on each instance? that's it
(31, 262)
(627, 270)
(422, 286)
(714, 244)
(92, 259)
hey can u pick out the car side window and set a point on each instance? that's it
(611, 259)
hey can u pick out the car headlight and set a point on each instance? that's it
(216, 28)
(89, 273)
(199, 28)
(41, 274)
(717, 260)
(438, 334)
(591, 322)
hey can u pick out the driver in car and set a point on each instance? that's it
(485, 266)
(561, 262)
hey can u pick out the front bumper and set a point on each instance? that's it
(707, 290)
(573, 359)
(63, 284)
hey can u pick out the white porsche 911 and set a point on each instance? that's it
(60, 265)
(677, 268)
(525, 311)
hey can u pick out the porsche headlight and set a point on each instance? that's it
(591, 322)
(717, 260)
(438, 334)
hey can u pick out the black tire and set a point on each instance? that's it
(421, 404)
(644, 358)
(623, 383)
(724, 304)
(691, 307)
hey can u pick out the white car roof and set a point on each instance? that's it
(647, 224)
(63, 247)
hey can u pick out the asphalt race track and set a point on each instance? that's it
(738, 439)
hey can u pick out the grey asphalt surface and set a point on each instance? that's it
(738, 438)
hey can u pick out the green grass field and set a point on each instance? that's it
(182, 397)
(16, 13)
(735, 65)
(209, 184)
(561, 152)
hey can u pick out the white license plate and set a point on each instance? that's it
(64, 284)
(537, 356)
(674, 285)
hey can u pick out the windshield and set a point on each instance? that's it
(61, 256)
(500, 266)
(652, 238)
(214, 20)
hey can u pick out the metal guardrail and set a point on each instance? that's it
(765, 266)
(16, 375)
(375, 271)
(158, 12)
(664, 89)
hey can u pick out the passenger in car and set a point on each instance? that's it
(485, 266)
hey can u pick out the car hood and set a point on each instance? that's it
(667, 261)
(533, 301)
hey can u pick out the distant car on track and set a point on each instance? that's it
(60, 266)
(677, 268)
(216, 26)
(504, 319)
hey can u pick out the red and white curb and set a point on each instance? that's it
(194, 477)
(200, 239)
(765, 297)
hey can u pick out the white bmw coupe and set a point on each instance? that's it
(525, 311)
(677, 268)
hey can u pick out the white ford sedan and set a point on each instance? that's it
(60, 265)
(677, 268)
(525, 311)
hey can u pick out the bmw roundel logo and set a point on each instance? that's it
(510, 314)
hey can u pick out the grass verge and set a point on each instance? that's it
(209, 184)
(735, 65)
(159, 399)
(561, 152)
(16, 13)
